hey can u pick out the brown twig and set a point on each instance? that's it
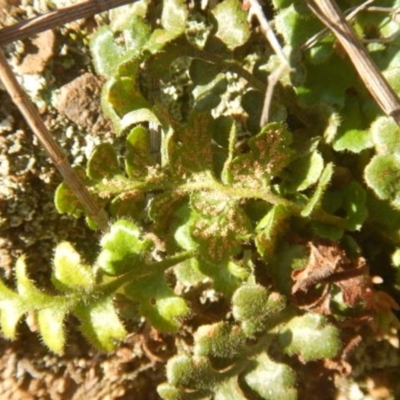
(33, 26)
(321, 34)
(58, 157)
(330, 15)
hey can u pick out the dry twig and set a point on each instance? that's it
(273, 78)
(321, 34)
(58, 157)
(33, 26)
(329, 13)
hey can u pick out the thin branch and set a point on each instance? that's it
(31, 27)
(330, 15)
(321, 34)
(273, 78)
(256, 11)
(58, 157)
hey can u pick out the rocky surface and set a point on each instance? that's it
(55, 69)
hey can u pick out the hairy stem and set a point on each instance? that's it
(121, 184)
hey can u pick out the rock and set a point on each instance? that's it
(79, 101)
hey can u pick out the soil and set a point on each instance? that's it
(55, 69)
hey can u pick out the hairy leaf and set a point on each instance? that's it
(226, 276)
(311, 337)
(123, 249)
(66, 201)
(12, 308)
(158, 302)
(382, 175)
(108, 54)
(302, 173)
(189, 147)
(103, 162)
(272, 380)
(174, 15)
(270, 152)
(352, 134)
(138, 158)
(128, 205)
(386, 135)
(233, 28)
(51, 326)
(217, 225)
(269, 228)
(316, 198)
(220, 341)
(69, 272)
(255, 308)
(100, 323)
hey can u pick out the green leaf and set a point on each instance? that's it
(383, 216)
(354, 203)
(256, 309)
(302, 173)
(136, 117)
(100, 323)
(27, 290)
(138, 159)
(109, 54)
(217, 225)
(311, 337)
(11, 314)
(316, 198)
(270, 152)
(160, 38)
(51, 327)
(382, 176)
(128, 205)
(220, 341)
(161, 210)
(291, 25)
(229, 388)
(123, 250)
(386, 136)
(208, 96)
(69, 271)
(327, 83)
(123, 95)
(269, 229)
(14, 305)
(233, 27)
(227, 276)
(189, 147)
(158, 302)
(66, 201)
(326, 231)
(190, 372)
(124, 104)
(170, 392)
(103, 162)
(174, 15)
(272, 380)
(12, 308)
(188, 273)
(287, 258)
(352, 134)
(349, 200)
